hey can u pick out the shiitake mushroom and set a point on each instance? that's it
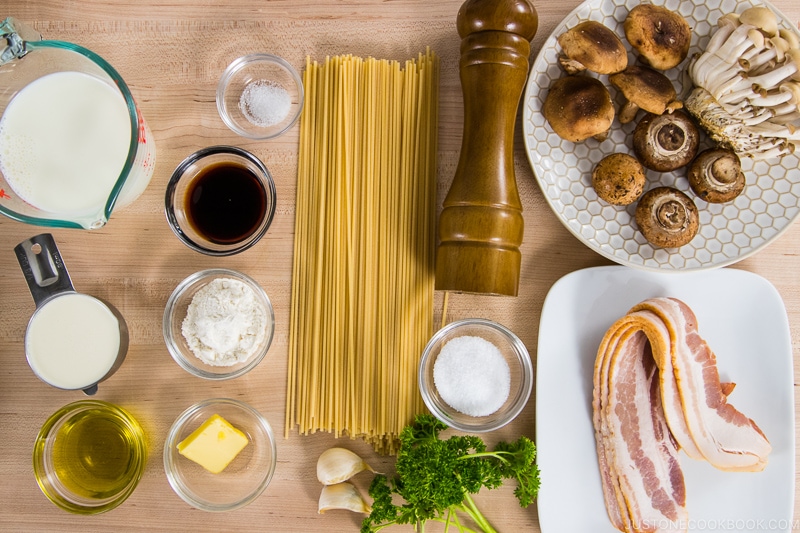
(666, 142)
(578, 107)
(660, 36)
(716, 175)
(667, 217)
(592, 46)
(644, 88)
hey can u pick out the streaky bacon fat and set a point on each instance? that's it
(657, 390)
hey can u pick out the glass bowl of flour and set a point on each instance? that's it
(475, 375)
(218, 324)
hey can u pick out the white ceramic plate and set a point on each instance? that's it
(742, 318)
(728, 232)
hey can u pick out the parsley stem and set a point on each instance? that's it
(472, 510)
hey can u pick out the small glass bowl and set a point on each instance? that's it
(243, 480)
(515, 354)
(181, 186)
(175, 312)
(93, 483)
(259, 73)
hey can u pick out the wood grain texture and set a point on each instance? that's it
(171, 54)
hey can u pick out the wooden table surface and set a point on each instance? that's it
(171, 54)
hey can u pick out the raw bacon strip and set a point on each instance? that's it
(656, 387)
(726, 438)
(642, 482)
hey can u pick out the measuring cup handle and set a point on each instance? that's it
(16, 35)
(43, 268)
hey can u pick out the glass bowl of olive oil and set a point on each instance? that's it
(89, 456)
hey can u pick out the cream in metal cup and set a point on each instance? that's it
(73, 341)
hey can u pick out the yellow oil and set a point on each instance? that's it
(95, 454)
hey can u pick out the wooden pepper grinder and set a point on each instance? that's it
(481, 225)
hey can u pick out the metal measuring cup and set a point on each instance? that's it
(84, 354)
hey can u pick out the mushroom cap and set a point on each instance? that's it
(647, 88)
(578, 107)
(667, 217)
(666, 142)
(593, 46)
(716, 175)
(762, 18)
(662, 37)
(619, 179)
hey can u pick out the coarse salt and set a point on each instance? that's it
(472, 376)
(265, 103)
(225, 323)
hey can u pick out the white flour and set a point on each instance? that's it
(225, 323)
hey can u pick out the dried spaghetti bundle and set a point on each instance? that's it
(362, 286)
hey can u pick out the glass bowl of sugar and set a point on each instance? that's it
(475, 375)
(218, 324)
(260, 96)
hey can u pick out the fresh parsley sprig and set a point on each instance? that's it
(435, 478)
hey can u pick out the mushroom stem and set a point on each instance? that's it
(627, 112)
(726, 27)
(775, 77)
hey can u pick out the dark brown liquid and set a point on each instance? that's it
(226, 203)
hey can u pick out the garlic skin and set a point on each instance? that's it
(747, 86)
(342, 496)
(336, 465)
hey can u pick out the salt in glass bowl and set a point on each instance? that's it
(247, 475)
(271, 87)
(175, 312)
(513, 351)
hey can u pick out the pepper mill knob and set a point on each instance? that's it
(481, 224)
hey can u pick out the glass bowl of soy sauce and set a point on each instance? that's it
(220, 200)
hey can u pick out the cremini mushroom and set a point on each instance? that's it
(578, 107)
(644, 88)
(592, 46)
(619, 179)
(747, 86)
(666, 142)
(667, 217)
(659, 35)
(716, 175)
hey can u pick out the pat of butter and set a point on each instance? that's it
(214, 444)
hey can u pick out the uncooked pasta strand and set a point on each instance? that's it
(362, 287)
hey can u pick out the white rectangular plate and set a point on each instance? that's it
(743, 319)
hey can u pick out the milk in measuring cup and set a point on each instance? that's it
(72, 341)
(64, 139)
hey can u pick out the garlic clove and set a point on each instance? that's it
(339, 464)
(342, 496)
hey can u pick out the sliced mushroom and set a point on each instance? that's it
(659, 35)
(667, 217)
(618, 179)
(592, 46)
(666, 142)
(644, 88)
(716, 175)
(579, 107)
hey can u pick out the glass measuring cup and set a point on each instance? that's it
(73, 144)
